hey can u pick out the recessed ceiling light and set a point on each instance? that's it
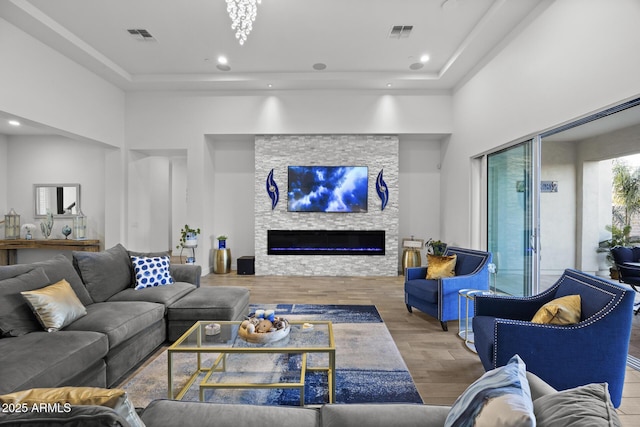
(424, 58)
(222, 63)
(14, 123)
(388, 84)
(319, 66)
(416, 66)
(270, 85)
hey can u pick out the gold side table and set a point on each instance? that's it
(222, 261)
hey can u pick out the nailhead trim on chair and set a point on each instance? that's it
(616, 298)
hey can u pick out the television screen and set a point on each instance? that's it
(328, 188)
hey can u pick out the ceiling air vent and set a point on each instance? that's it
(141, 35)
(400, 31)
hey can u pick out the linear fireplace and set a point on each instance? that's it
(325, 242)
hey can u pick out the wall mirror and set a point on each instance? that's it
(63, 200)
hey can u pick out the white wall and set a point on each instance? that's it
(52, 160)
(149, 216)
(419, 189)
(217, 133)
(4, 179)
(232, 194)
(572, 60)
(558, 211)
(43, 86)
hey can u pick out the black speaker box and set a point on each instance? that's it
(246, 265)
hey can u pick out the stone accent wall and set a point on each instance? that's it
(277, 152)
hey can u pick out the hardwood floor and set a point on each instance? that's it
(441, 366)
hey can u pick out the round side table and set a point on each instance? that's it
(466, 297)
(410, 258)
(222, 261)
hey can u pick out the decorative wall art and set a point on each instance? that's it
(272, 190)
(383, 191)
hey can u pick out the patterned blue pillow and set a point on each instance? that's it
(151, 271)
(501, 397)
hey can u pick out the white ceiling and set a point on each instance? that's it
(350, 36)
(289, 36)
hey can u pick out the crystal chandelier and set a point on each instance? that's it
(242, 14)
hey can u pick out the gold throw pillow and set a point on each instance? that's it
(65, 396)
(560, 311)
(441, 266)
(71, 395)
(55, 306)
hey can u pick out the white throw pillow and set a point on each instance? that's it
(500, 398)
(151, 271)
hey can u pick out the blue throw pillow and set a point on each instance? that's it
(500, 397)
(151, 271)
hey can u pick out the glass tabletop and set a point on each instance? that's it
(304, 336)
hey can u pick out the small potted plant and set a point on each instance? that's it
(188, 237)
(222, 241)
(435, 247)
(29, 228)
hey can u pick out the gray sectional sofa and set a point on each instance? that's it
(121, 328)
(588, 406)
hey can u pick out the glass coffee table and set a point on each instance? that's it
(305, 338)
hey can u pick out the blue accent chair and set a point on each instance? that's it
(439, 297)
(593, 350)
(627, 272)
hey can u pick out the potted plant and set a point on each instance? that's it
(222, 241)
(435, 247)
(619, 237)
(188, 237)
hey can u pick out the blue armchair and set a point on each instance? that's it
(628, 265)
(594, 350)
(439, 297)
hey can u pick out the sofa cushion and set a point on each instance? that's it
(56, 269)
(16, 317)
(501, 397)
(423, 289)
(441, 266)
(104, 273)
(55, 305)
(54, 358)
(588, 406)
(212, 303)
(119, 320)
(170, 413)
(382, 415)
(65, 397)
(85, 416)
(166, 295)
(151, 272)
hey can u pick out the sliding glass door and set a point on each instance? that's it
(512, 214)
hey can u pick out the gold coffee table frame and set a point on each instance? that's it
(194, 341)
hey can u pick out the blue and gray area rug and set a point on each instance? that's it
(369, 367)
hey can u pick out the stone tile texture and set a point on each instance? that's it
(277, 152)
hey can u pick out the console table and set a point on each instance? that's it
(9, 248)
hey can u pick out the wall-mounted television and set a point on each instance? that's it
(327, 189)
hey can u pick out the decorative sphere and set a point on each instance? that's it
(66, 230)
